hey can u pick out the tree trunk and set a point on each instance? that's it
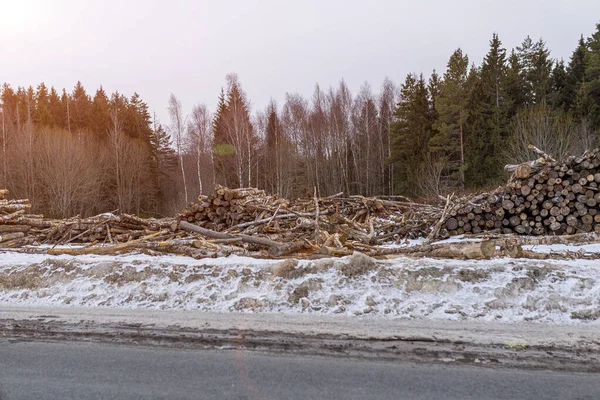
(462, 151)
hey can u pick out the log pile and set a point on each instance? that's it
(542, 197)
(366, 220)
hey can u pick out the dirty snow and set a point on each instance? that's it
(505, 290)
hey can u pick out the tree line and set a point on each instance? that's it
(73, 153)
(458, 130)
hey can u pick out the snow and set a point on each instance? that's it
(503, 290)
(563, 248)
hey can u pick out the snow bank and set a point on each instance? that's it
(506, 290)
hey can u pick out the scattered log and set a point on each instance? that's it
(276, 249)
(483, 250)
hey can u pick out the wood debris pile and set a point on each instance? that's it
(543, 197)
(232, 221)
(334, 219)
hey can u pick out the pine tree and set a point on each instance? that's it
(487, 129)
(80, 109)
(235, 141)
(9, 105)
(536, 67)
(573, 93)
(42, 114)
(56, 109)
(222, 148)
(410, 134)
(100, 118)
(434, 88)
(447, 141)
(65, 101)
(558, 97)
(165, 159)
(219, 118)
(591, 87)
(516, 86)
(138, 118)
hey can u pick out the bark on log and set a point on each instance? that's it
(11, 236)
(14, 228)
(483, 250)
(276, 249)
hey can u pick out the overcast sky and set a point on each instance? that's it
(156, 47)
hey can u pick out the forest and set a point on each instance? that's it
(78, 153)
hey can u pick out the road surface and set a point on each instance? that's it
(46, 370)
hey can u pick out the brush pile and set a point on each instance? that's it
(243, 221)
(542, 197)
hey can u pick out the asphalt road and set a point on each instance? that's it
(41, 370)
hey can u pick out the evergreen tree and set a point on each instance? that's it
(487, 129)
(80, 109)
(558, 97)
(410, 134)
(138, 119)
(65, 101)
(516, 87)
(42, 113)
(165, 159)
(100, 118)
(239, 134)
(434, 88)
(536, 67)
(222, 148)
(56, 109)
(591, 87)
(447, 141)
(573, 93)
(9, 104)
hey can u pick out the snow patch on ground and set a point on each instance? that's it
(563, 248)
(506, 290)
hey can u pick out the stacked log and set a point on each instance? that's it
(17, 226)
(230, 207)
(543, 197)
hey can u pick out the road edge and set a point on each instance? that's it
(532, 346)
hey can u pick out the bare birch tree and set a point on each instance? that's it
(387, 103)
(4, 146)
(116, 140)
(177, 132)
(200, 138)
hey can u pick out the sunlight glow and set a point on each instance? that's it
(20, 16)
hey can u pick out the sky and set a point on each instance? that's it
(187, 47)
